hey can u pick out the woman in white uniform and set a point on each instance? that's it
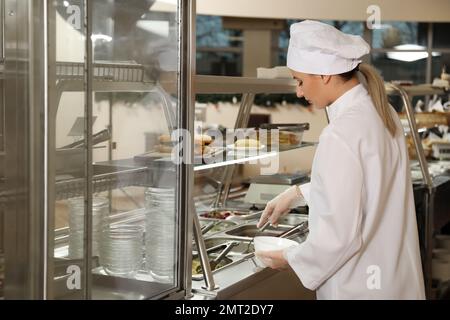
(363, 239)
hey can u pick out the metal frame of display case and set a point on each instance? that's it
(23, 184)
(128, 77)
(407, 93)
(31, 54)
(249, 87)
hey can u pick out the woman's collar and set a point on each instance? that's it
(344, 101)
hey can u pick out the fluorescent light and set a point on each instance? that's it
(410, 56)
(409, 47)
(66, 3)
(407, 56)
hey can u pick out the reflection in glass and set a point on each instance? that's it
(139, 238)
(210, 33)
(392, 69)
(67, 119)
(219, 63)
(135, 77)
(439, 63)
(441, 37)
(392, 34)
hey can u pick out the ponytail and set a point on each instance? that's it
(375, 87)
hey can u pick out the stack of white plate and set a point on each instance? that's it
(160, 234)
(100, 209)
(121, 250)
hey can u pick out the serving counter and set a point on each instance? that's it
(243, 277)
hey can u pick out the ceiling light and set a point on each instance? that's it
(410, 56)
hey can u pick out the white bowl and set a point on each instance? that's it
(265, 243)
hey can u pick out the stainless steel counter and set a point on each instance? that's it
(243, 278)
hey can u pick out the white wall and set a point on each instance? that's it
(70, 44)
(400, 10)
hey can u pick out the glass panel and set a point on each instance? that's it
(67, 119)
(211, 34)
(219, 63)
(133, 228)
(440, 35)
(219, 50)
(21, 155)
(2, 151)
(393, 67)
(351, 27)
(399, 34)
(440, 60)
(135, 182)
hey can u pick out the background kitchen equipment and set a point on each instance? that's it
(262, 189)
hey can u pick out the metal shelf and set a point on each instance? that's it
(105, 71)
(121, 178)
(417, 90)
(225, 85)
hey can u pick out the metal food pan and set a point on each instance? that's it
(230, 214)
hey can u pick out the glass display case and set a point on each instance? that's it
(95, 207)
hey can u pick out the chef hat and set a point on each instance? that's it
(318, 48)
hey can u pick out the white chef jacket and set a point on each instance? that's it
(363, 239)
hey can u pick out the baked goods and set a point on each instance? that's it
(164, 148)
(426, 145)
(247, 143)
(202, 139)
(165, 138)
(285, 138)
(165, 144)
(201, 143)
(289, 138)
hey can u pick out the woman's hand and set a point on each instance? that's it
(273, 259)
(279, 206)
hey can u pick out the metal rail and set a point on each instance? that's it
(429, 201)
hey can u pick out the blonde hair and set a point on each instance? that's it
(375, 87)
